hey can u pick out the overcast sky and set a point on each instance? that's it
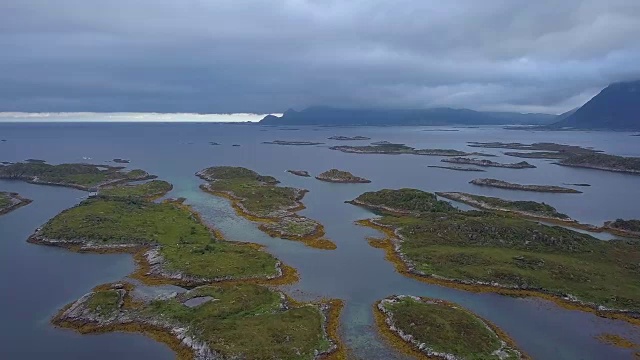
(267, 56)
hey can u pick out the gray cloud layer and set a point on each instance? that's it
(267, 56)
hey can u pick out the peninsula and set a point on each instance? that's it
(80, 176)
(437, 329)
(512, 186)
(339, 176)
(430, 240)
(302, 173)
(488, 163)
(257, 198)
(624, 227)
(236, 321)
(10, 201)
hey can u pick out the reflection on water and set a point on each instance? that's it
(355, 272)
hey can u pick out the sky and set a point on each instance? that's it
(264, 56)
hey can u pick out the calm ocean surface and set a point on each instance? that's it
(35, 281)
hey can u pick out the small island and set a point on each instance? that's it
(10, 201)
(213, 143)
(292, 143)
(257, 198)
(623, 227)
(339, 176)
(170, 242)
(213, 321)
(512, 186)
(302, 173)
(457, 168)
(121, 161)
(80, 176)
(629, 165)
(488, 163)
(437, 329)
(431, 241)
(385, 147)
(149, 190)
(349, 138)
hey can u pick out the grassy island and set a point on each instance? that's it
(339, 176)
(79, 176)
(512, 186)
(488, 163)
(302, 173)
(149, 190)
(257, 198)
(235, 321)
(384, 147)
(499, 252)
(171, 242)
(437, 329)
(10, 201)
(630, 165)
(457, 168)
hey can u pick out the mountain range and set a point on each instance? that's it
(615, 108)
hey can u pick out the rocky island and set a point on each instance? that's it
(295, 143)
(623, 227)
(339, 176)
(569, 155)
(170, 242)
(257, 198)
(302, 173)
(121, 161)
(234, 321)
(488, 163)
(10, 201)
(349, 138)
(512, 186)
(458, 168)
(430, 240)
(385, 147)
(80, 176)
(437, 329)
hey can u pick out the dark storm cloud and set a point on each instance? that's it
(266, 56)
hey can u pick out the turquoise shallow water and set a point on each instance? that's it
(41, 280)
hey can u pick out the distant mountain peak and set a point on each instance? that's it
(616, 107)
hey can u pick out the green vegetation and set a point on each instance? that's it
(235, 173)
(150, 189)
(10, 201)
(82, 176)
(335, 175)
(247, 321)
(239, 321)
(186, 244)
(513, 186)
(626, 225)
(499, 248)
(104, 302)
(5, 200)
(604, 162)
(494, 203)
(403, 200)
(446, 328)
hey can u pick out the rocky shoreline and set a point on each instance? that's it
(128, 314)
(489, 163)
(16, 201)
(388, 323)
(512, 186)
(391, 245)
(458, 168)
(339, 176)
(600, 167)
